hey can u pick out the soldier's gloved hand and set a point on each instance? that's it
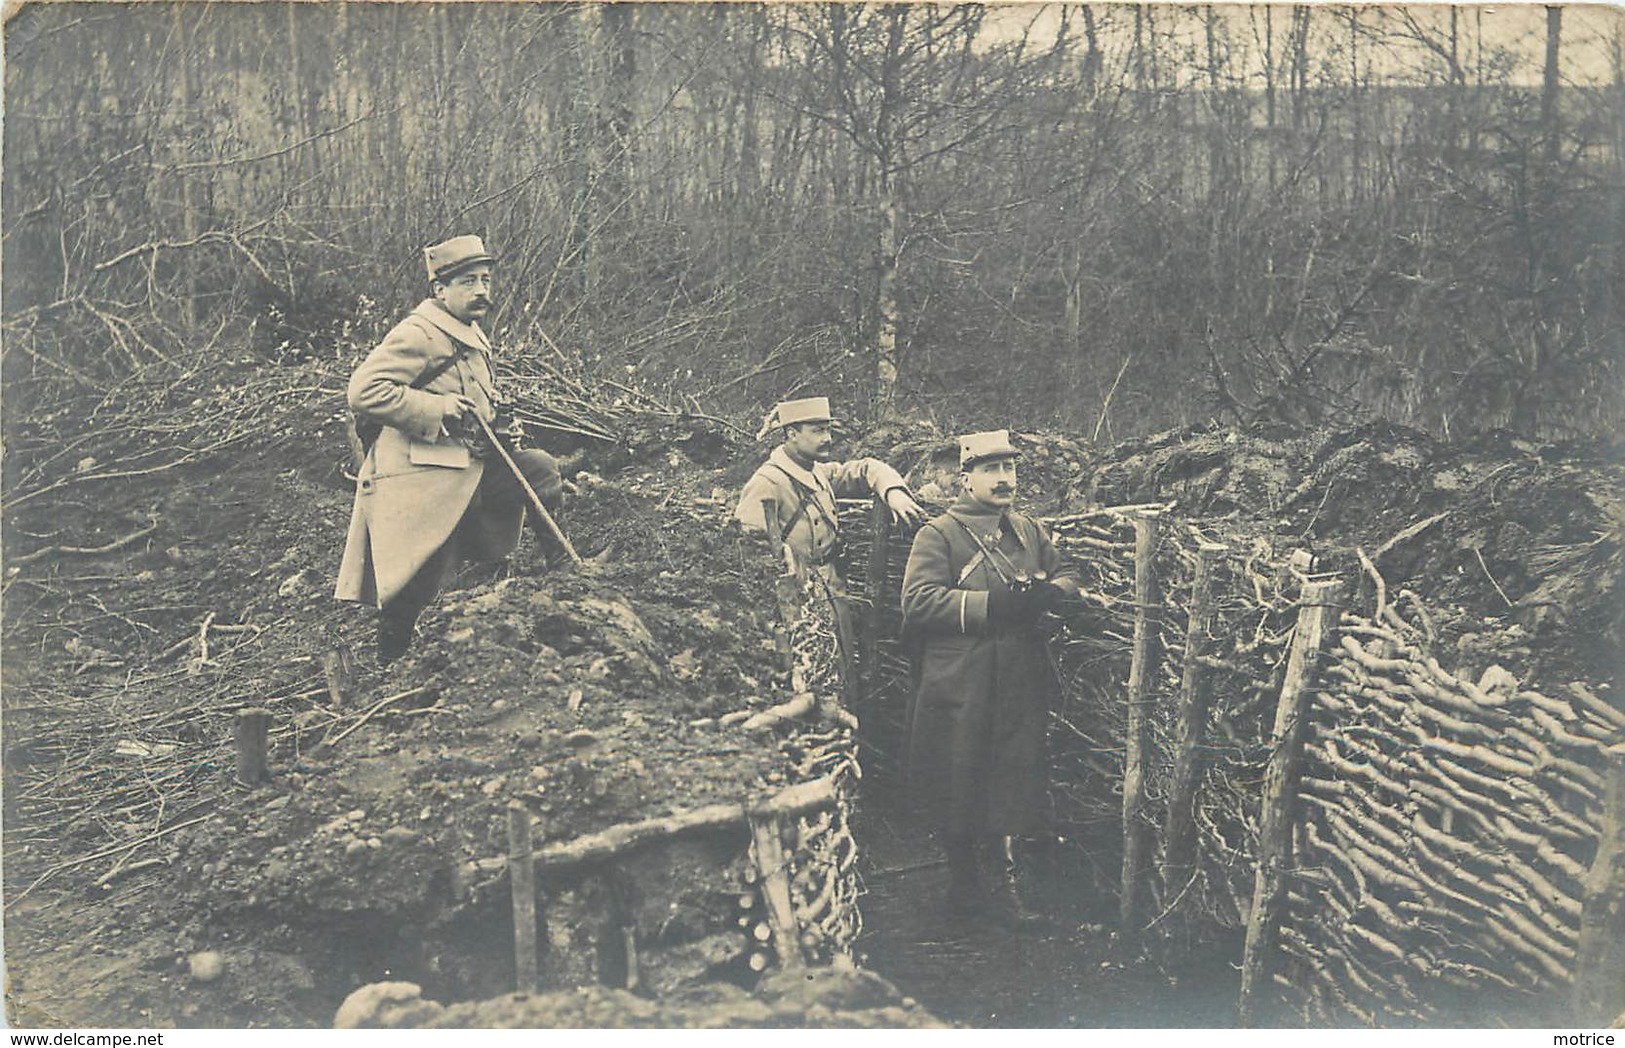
(1014, 607)
(1050, 595)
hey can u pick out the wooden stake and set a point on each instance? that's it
(875, 577)
(845, 646)
(1280, 791)
(773, 865)
(252, 732)
(1179, 832)
(338, 667)
(629, 940)
(1599, 988)
(522, 880)
(1142, 672)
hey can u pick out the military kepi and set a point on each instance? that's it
(789, 412)
(984, 447)
(808, 409)
(450, 257)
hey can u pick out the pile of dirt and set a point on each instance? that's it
(593, 696)
(1513, 547)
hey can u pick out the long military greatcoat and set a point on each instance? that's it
(975, 751)
(415, 486)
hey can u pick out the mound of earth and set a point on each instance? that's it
(594, 697)
(1513, 547)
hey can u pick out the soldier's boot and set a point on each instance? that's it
(1009, 903)
(394, 635)
(967, 895)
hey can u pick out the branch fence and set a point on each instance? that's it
(1401, 844)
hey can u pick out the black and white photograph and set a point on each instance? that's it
(872, 516)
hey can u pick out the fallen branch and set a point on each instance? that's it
(121, 870)
(617, 840)
(88, 551)
(1410, 532)
(1487, 575)
(773, 716)
(62, 867)
(365, 717)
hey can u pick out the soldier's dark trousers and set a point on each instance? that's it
(498, 491)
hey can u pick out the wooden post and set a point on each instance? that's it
(878, 569)
(338, 667)
(1280, 790)
(522, 881)
(1142, 672)
(772, 867)
(1179, 832)
(845, 646)
(1599, 986)
(252, 734)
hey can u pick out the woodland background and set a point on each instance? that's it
(1109, 219)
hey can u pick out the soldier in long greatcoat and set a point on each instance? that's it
(425, 497)
(979, 579)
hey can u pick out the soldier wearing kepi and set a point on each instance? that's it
(803, 481)
(979, 579)
(427, 495)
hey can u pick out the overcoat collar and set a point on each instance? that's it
(810, 478)
(985, 521)
(468, 334)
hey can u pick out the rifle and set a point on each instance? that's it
(535, 500)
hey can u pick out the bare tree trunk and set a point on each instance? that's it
(886, 308)
(1300, 66)
(1269, 91)
(1091, 58)
(888, 177)
(177, 144)
(619, 168)
(1356, 111)
(583, 122)
(1550, 116)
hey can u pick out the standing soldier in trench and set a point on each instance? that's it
(979, 580)
(430, 491)
(802, 480)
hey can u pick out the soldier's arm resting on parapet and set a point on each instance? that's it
(859, 477)
(381, 388)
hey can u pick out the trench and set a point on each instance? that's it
(971, 972)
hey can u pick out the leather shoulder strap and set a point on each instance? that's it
(444, 364)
